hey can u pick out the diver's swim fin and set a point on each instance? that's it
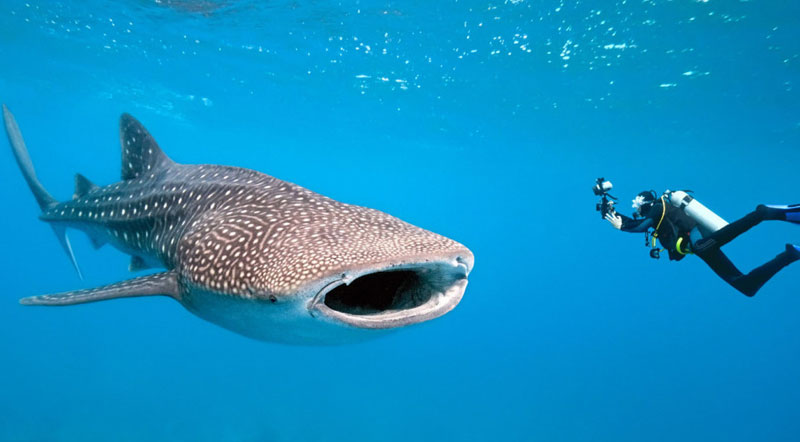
(793, 251)
(790, 212)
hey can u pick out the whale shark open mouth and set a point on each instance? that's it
(396, 296)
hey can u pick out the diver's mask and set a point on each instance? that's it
(643, 202)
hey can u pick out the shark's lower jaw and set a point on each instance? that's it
(395, 296)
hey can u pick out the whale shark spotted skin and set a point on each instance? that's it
(259, 256)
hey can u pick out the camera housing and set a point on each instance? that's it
(601, 189)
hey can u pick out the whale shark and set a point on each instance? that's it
(259, 256)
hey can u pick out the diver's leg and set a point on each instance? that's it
(750, 283)
(721, 265)
(731, 231)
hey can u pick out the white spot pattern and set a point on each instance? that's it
(237, 231)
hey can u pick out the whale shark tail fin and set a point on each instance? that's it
(43, 197)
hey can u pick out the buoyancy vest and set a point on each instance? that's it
(673, 229)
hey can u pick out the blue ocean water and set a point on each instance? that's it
(485, 121)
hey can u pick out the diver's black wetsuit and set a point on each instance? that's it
(677, 225)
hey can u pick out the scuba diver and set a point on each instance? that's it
(684, 226)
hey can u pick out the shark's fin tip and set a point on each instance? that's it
(61, 234)
(140, 152)
(82, 186)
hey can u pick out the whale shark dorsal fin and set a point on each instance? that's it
(82, 186)
(140, 152)
(164, 284)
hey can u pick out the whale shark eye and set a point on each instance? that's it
(273, 299)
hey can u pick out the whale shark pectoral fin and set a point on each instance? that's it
(164, 284)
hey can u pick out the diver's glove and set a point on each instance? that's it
(614, 219)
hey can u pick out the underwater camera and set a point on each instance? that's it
(601, 189)
(602, 186)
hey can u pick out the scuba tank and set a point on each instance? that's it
(707, 221)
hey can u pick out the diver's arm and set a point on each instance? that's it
(627, 224)
(636, 225)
